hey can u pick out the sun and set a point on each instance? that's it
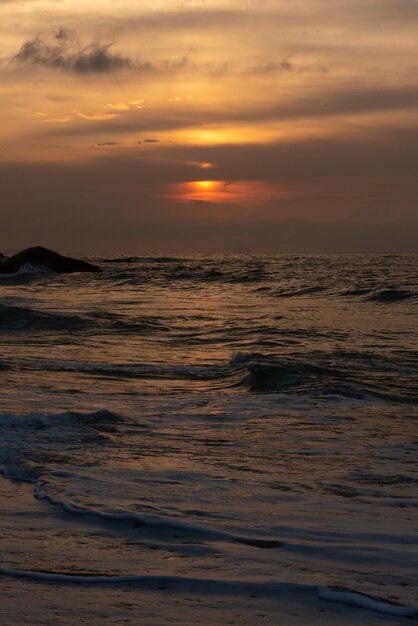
(206, 185)
(224, 192)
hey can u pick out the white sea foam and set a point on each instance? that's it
(364, 602)
(28, 268)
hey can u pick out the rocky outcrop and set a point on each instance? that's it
(42, 257)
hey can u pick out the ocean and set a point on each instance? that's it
(210, 439)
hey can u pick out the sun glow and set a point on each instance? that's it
(227, 192)
(231, 134)
(206, 185)
(214, 191)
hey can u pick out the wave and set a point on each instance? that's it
(267, 373)
(29, 268)
(285, 278)
(210, 585)
(126, 324)
(62, 485)
(23, 318)
(139, 259)
(257, 373)
(372, 294)
(197, 273)
(118, 516)
(270, 374)
(18, 432)
(205, 585)
(167, 270)
(386, 295)
(15, 318)
(391, 295)
(27, 274)
(135, 370)
(39, 421)
(355, 291)
(215, 274)
(299, 291)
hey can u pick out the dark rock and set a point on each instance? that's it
(43, 257)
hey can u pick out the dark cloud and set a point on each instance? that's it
(65, 54)
(273, 67)
(108, 143)
(96, 58)
(150, 141)
(63, 33)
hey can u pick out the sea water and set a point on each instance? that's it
(210, 439)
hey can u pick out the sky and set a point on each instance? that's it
(209, 125)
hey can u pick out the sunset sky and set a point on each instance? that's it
(209, 125)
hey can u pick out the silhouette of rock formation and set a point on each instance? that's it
(42, 257)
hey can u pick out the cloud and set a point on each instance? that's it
(63, 53)
(356, 194)
(319, 105)
(273, 67)
(97, 58)
(62, 33)
(383, 159)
